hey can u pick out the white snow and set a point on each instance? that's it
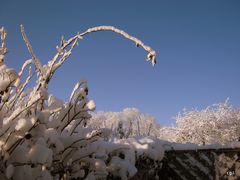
(39, 153)
(91, 105)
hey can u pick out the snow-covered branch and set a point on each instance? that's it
(30, 49)
(151, 53)
(3, 49)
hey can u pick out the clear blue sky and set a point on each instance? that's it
(197, 43)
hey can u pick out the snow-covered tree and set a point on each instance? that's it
(127, 123)
(42, 137)
(168, 133)
(219, 123)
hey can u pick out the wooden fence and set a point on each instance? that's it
(202, 164)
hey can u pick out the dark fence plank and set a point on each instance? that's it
(201, 164)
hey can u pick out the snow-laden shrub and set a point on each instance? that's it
(42, 137)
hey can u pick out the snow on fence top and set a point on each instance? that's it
(173, 146)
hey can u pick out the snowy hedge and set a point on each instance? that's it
(43, 138)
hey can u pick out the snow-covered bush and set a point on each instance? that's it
(127, 123)
(219, 123)
(42, 137)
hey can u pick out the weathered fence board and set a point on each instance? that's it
(201, 164)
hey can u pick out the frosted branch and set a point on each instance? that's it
(3, 49)
(30, 50)
(26, 63)
(73, 41)
(21, 89)
(151, 53)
